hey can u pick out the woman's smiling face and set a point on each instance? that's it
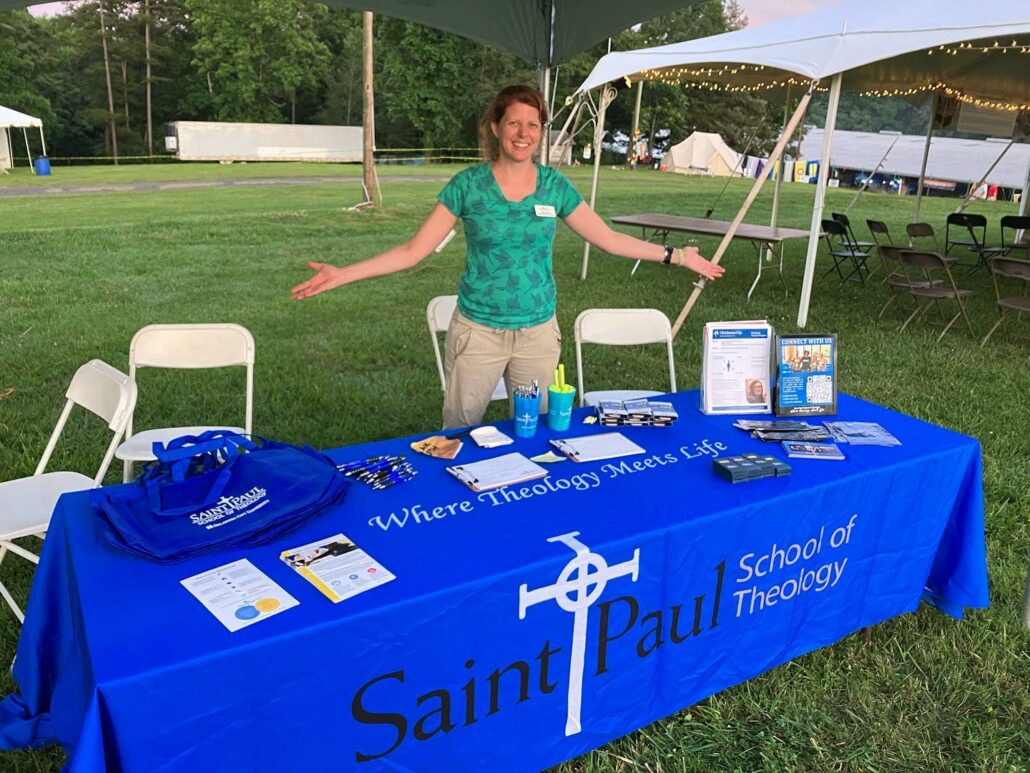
(519, 132)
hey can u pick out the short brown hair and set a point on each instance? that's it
(488, 144)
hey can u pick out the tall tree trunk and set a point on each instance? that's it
(368, 124)
(125, 94)
(110, 93)
(150, 111)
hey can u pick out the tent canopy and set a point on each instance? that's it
(703, 153)
(13, 119)
(544, 32)
(880, 45)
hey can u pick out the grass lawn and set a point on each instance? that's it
(81, 273)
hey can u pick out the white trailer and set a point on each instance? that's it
(221, 141)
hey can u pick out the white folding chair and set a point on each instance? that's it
(438, 316)
(621, 327)
(26, 504)
(188, 346)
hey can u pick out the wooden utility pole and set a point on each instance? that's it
(150, 111)
(110, 94)
(368, 124)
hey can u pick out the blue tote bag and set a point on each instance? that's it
(218, 491)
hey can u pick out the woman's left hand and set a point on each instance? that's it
(696, 262)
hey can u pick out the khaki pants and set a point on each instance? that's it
(477, 356)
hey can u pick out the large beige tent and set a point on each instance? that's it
(704, 153)
(12, 119)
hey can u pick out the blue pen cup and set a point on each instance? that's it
(527, 415)
(559, 408)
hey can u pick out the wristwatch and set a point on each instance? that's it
(669, 250)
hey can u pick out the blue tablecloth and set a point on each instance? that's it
(526, 625)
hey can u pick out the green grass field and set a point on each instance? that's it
(81, 273)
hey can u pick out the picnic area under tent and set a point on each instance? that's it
(954, 53)
(12, 119)
(704, 153)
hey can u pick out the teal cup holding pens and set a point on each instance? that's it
(527, 415)
(559, 407)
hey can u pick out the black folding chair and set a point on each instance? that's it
(976, 228)
(966, 227)
(1011, 225)
(845, 221)
(1002, 271)
(921, 267)
(848, 262)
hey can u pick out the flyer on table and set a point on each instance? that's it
(238, 595)
(337, 567)
(735, 367)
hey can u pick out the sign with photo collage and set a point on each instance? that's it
(806, 375)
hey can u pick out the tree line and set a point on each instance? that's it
(107, 75)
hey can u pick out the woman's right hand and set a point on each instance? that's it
(326, 278)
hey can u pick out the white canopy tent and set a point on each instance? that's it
(704, 153)
(975, 53)
(12, 119)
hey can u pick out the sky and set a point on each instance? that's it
(757, 11)
(762, 11)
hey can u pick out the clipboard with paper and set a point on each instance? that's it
(499, 471)
(591, 448)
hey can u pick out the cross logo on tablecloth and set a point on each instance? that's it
(579, 585)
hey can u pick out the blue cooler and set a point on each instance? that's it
(42, 164)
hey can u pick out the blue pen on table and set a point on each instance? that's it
(392, 481)
(397, 469)
(385, 463)
(383, 468)
(345, 467)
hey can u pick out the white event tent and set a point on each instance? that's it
(12, 119)
(704, 153)
(972, 53)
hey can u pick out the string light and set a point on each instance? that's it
(979, 48)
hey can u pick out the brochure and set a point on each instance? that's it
(337, 567)
(800, 450)
(861, 433)
(806, 375)
(238, 595)
(735, 367)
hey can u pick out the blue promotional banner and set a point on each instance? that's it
(526, 625)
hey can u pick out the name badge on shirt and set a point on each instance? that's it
(545, 210)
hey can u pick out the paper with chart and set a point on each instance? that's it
(238, 594)
(591, 448)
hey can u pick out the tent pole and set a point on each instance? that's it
(634, 131)
(926, 157)
(860, 191)
(25, 134)
(779, 177)
(607, 95)
(545, 141)
(820, 199)
(1024, 204)
(699, 285)
(41, 140)
(1024, 200)
(976, 186)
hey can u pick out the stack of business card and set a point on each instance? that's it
(611, 413)
(745, 467)
(635, 413)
